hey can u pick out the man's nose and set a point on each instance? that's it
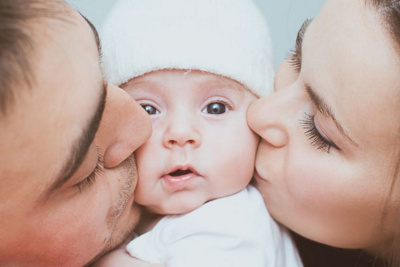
(124, 127)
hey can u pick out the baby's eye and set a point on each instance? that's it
(150, 109)
(215, 108)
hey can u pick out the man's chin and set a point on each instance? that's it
(112, 244)
(117, 240)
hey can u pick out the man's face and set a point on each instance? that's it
(66, 182)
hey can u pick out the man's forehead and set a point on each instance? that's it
(52, 115)
(69, 18)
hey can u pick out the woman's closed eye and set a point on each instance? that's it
(317, 139)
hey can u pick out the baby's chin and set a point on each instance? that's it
(178, 207)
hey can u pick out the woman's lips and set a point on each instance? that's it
(258, 177)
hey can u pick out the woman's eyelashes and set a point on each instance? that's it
(295, 59)
(296, 55)
(316, 138)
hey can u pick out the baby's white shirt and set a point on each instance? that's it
(234, 231)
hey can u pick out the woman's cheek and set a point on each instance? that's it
(308, 178)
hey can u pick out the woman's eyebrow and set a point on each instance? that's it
(325, 110)
(297, 53)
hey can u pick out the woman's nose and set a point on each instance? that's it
(180, 131)
(270, 117)
(124, 127)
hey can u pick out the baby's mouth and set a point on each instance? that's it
(180, 172)
(180, 177)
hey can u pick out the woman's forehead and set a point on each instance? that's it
(349, 60)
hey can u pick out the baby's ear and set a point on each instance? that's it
(285, 75)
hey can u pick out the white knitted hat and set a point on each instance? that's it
(225, 37)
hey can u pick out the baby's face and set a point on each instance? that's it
(201, 147)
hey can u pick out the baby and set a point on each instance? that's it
(195, 67)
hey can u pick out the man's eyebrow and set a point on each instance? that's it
(325, 110)
(81, 145)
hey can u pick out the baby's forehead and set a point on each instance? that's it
(204, 78)
(227, 82)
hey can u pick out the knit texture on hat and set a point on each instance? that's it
(224, 37)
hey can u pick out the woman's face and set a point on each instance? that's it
(328, 159)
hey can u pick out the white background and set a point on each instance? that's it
(284, 18)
